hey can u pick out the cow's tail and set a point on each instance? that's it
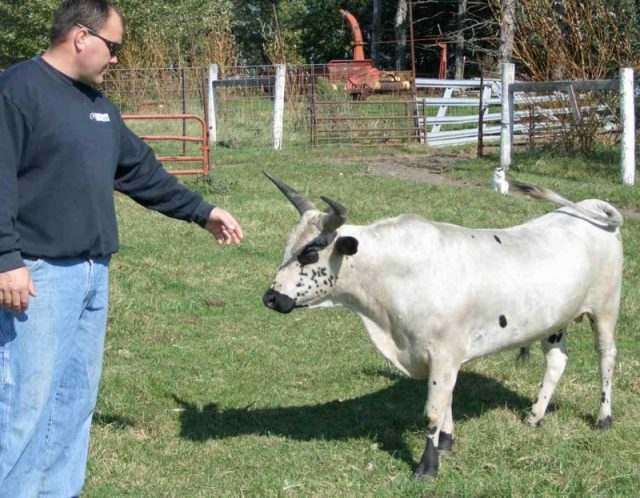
(605, 213)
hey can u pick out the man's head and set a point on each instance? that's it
(85, 37)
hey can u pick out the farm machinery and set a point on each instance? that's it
(359, 75)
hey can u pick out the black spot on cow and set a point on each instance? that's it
(497, 239)
(552, 338)
(503, 321)
(435, 383)
(604, 398)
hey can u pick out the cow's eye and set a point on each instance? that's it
(308, 256)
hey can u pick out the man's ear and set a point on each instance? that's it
(347, 246)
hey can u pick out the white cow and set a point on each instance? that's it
(433, 296)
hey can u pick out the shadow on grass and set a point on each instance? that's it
(385, 415)
(118, 422)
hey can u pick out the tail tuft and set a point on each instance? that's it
(605, 214)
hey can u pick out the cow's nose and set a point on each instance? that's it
(272, 299)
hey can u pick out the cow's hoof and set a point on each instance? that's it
(534, 421)
(425, 474)
(604, 423)
(445, 443)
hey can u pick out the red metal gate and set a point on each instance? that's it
(203, 159)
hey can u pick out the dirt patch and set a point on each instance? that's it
(630, 214)
(433, 169)
(428, 169)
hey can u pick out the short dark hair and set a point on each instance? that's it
(90, 13)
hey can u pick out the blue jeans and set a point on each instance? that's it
(50, 364)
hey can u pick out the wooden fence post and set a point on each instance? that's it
(211, 104)
(508, 77)
(278, 108)
(627, 118)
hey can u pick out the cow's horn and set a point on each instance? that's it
(300, 202)
(336, 216)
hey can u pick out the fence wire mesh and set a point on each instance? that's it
(323, 104)
(571, 121)
(348, 102)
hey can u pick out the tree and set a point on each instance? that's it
(507, 29)
(574, 39)
(400, 30)
(375, 30)
(459, 59)
(24, 29)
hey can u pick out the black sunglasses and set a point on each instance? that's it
(111, 45)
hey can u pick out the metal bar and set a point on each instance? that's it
(457, 101)
(135, 117)
(479, 150)
(360, 102)
(183, 83)
(186, 172)
(264, 80)
(313, 110)
(438, 83)
(180, 158)
(203, 159)
(349, 130)
(542, 86)
(170, 137)
(362, 118)
(575, 107)
(342, 138)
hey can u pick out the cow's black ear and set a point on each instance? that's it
(347, 246)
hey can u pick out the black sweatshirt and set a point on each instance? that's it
(64, 148)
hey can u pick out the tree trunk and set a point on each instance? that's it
(459, 61)
(375, 31)
(400, 30)
(507, 29)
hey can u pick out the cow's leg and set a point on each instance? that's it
(445, 438)
(603, 329)
(442, 379)
(555, 355)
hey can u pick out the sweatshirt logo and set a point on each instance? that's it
(100, 117)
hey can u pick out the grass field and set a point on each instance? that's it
(206, 393)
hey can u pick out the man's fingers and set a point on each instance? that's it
(15, 288)
(229, 234)
(24, 300)
(16, 301)
(237, 231)
(32, 289)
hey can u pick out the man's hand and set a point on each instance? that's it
(15, 288)
(224, 227)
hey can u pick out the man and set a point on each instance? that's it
(63, 150)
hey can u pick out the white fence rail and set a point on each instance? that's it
(545, 110)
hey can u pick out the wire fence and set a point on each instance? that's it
(351, 102)
(324, 104)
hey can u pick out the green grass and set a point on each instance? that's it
(206, 393)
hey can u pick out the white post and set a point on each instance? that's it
(278, 109)
(211, 104)
(508, 77)
(627, 118)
